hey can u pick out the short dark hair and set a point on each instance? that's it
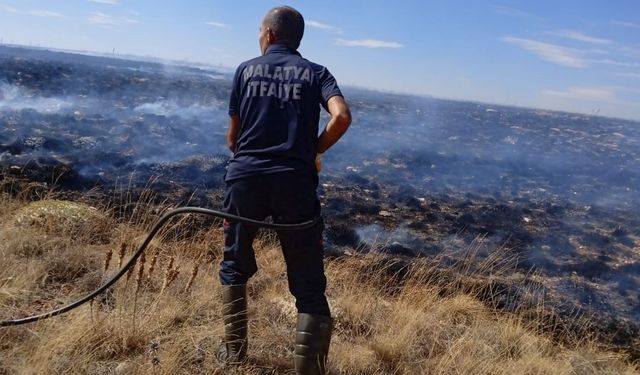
(287, 24)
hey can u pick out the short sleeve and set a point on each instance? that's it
(234, 99)
(328, 86)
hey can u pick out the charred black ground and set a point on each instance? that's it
(414, 177)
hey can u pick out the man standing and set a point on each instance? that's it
(274, 112)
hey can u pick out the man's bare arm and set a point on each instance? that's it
(232, 132)
(337, 125)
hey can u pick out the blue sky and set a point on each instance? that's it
(581, 56)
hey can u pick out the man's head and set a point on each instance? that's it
(283, 25)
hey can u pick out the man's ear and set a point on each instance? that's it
(271, 37)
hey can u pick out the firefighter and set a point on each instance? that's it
(274, 111)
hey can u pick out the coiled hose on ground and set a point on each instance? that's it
(154, 230)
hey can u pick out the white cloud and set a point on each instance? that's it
(633, 52)
(9, 9)
(550, 52)
(616, 63)
(323, 26)
(33, 12)
(632, 90)
(583, 93)
(104, 19)
(627, 75)
(368, 43)
(219, 25)
(575, 35)
(626, 24)
(109, 2)
(45, 13)
(516, 13)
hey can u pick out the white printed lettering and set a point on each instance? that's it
(306, 75)
(264, 86)
(272, 89)
(287, 72)
(277, 74)
(297, 71)
(248, 73)
(297, 88)
(257, 72)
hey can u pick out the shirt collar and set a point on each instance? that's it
(281, 48)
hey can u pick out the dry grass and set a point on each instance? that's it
(164, 318)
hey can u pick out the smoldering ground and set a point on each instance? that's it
(414, 176)
(108, 119)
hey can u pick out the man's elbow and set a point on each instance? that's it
(340, 112)
(231, 142)
(344, 118)
(231, 146)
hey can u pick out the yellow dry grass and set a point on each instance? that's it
(141, 327)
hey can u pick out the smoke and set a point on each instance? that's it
(438, 146)
(155, 113)
(401, 240)
(15, 98)
(159, 113)
(105, 117)
(172, 108)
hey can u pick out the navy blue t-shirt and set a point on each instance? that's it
(278, 97)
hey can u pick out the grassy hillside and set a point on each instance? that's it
(391, 317)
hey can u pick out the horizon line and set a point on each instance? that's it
(185, 63)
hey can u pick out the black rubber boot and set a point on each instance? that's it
(313, 336)
(233, 348)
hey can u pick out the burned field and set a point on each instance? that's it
(556, 193)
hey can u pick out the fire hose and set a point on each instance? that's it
(154, 230)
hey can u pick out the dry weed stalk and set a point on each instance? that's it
(140, 275)
(170, 274)
(169, 266)
(170, 277)
(139, 279)
(194, 273)
(152, 266)
(107, 259)
(123, 251)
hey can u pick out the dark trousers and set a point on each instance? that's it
(287, 198)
